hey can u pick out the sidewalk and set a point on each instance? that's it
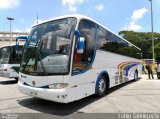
(145, 77)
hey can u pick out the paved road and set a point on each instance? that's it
(136, 97)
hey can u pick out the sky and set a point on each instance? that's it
(115, 15)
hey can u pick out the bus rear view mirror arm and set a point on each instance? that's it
(80, 43)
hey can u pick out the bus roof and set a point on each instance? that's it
(79, 17)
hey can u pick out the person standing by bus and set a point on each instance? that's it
(143, 69)
(157, 68)
(149, 69)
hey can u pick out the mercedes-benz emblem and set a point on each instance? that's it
(33, 83)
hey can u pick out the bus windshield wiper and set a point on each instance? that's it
(30, 56)
(36, 51)
(39, 57)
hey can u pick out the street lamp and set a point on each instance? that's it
(10, 19)
(152, 32)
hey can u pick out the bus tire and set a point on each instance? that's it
(135, 75)
(16, 79)
(101, 86)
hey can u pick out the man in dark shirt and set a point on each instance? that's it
(149, 69)
(157, 68)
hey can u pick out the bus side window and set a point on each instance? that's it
(12, 56)
(82, 61)
(78, 60)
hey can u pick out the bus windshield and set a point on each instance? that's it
(10, 54)
(4, 55)
(48, 48)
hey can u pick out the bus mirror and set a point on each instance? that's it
(24, 38)
(21, 38)
(80, 45)
(77, 34)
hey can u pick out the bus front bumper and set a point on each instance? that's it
(4, 74)
(56, 95)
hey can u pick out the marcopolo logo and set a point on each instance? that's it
(33, 83)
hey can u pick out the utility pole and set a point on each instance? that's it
(152, 32)
(37, 17)
(10, 19)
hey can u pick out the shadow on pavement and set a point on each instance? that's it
(55, 108)
(61, 109)
(8, 82)
(120, 86)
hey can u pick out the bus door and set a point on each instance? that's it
(14, 60)
(82, 60)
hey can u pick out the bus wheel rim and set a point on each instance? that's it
(101, 85)
(136, 75)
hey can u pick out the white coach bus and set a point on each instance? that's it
(71, 57)
(10, 56)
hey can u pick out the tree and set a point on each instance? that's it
(143, 41)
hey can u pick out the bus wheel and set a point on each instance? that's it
(101, 89)
(136, 75)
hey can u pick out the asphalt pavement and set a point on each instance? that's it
(142, 96)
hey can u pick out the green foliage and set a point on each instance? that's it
(143, 40)
(157, 51)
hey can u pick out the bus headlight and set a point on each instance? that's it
(58, 85)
